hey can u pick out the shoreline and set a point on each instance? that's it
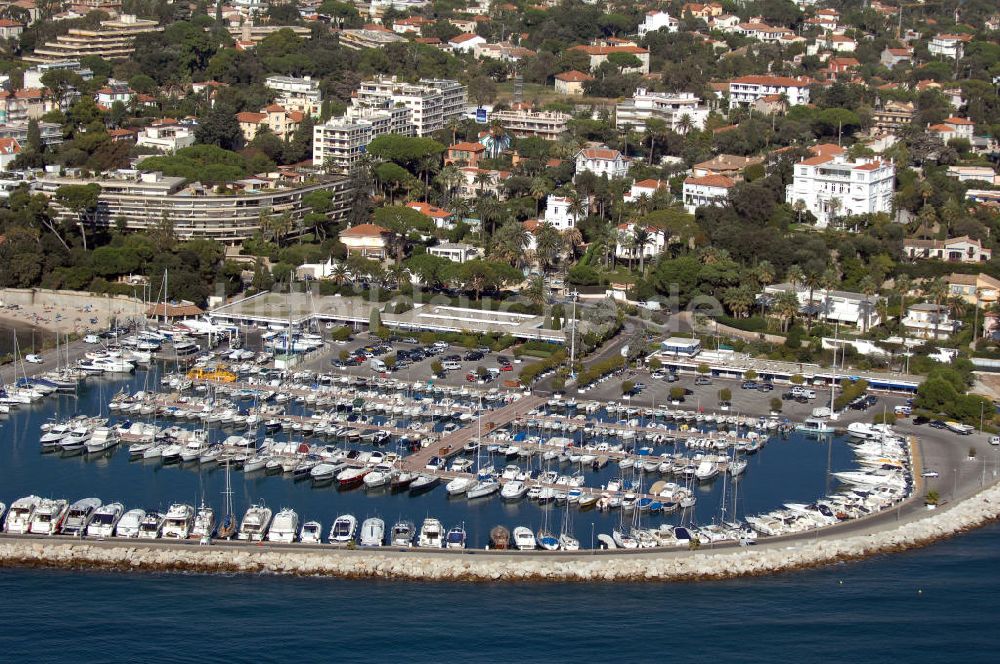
(784, 555)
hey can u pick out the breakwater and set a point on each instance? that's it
(664, 565)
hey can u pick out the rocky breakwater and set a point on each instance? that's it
(417, 565)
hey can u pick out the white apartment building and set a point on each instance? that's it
(706, 191)
(926, 320)
(669, 107)
(143, 200)
(858, 187)
(113, 40)
(949, 46)
(166, 136)
(833, 306)
(456, 252)
(557, 212)
(626, 248)
(432, 102)
(33, 75)
(549, 125)
(602, 162)
(297, 94)
(658, 20)
(745, 90)
(339, 142)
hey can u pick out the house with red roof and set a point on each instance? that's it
(441, 217)
(10, 29)
(464, 153)
(832, 186)
(706, 191)
(646, 188)
(465, 42)
(571, 82)
(602, 161)
(745, 90)
(891, 57)
(282, 123)
(9, 149)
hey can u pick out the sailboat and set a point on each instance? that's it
(566, 540)
(228, 525)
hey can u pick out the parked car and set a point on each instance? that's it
(937, 424)
(702, 380)
(409, 340)
(921, 419)
(748, 385)
(765, 387)
(91, 339)
(34, 359)
(506, 367)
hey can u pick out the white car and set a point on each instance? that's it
(994, 440)
(34, 359)
(930, 473)
(91, 339)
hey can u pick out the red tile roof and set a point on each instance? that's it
(574, 76)
(720, 181)
(364, 230)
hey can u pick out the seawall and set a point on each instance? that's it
(492, 567)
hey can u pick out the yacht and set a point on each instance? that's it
(312, 532)
(815, 425)
(204, 522)
(483, 487)
(54, 435)
(524, 539)
(18, 520)
(423, 484)
(178, 521)
(105, 519)
(151, 525)
(431, 534)
(285, 527)
(455, 539)
(255, 523)
(128, 525)
(75, 439)
(48, 517)
(79, 515)
(343, 529)
(458, 486)
(372, 532)
(101, 439)
(513, 490)
(402, 533)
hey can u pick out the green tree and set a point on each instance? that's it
(82, 200)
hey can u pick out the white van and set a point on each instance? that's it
(451, 365)
(91, 339)
(377, 364)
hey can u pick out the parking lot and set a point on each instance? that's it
(367, 355)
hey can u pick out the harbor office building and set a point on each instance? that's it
(676, 356)
(230, 215)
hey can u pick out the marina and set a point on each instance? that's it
(320, 450)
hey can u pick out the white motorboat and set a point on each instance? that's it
(431, 534)
(75, 439)
(178, 521)
(343, 529)
(128, 525)
(381, 475)
(54, 435)
(18, 519)
(204, 522)
(104, 520)
(49, 516)
(458, 486)
(455, 539)
(151, 526)
(372, 532)
(524, 539)
(815, 425)
(483, 487)
(514, 490)
(402, 534)
(79, 515)
(171, 453)
(285, 527)
(102, 438)
(255, 523)
(312, 532)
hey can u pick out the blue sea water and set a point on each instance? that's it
(939, 604)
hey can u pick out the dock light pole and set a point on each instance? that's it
(572, 339)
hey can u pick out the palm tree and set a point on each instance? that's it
(641, 237)
(834, 205)
(535, 290)
(428, 165)
(800, 207)
(626, 241)
(482, 179)
(548, 242)
(739, 299)
(813, 280)
(655, 128)
(449, 179)
(903, 286)
(684, 124)
(540, 188)
(794, 275)
(764, 273)
(868, 288)
(340, 274)
(786, 306)
(573, 239)
(398, 274)
(577, 205)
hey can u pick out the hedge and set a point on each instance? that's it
(600, 369)
(531, 371)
